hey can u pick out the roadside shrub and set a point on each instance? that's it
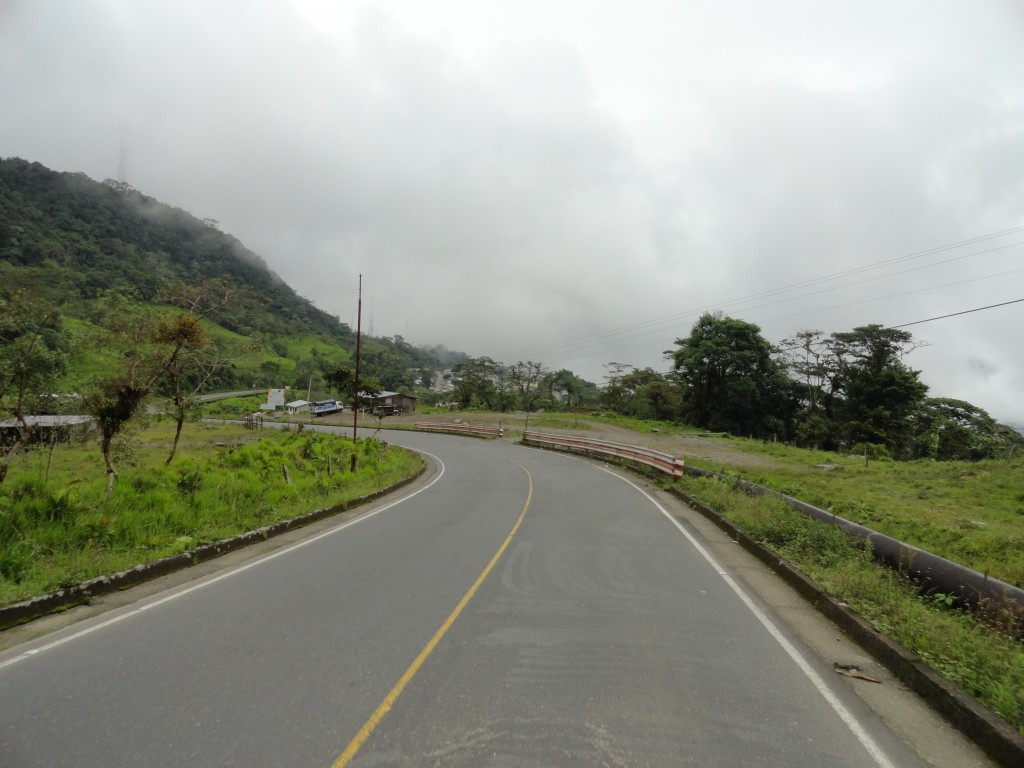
(16, 561)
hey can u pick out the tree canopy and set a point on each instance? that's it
(727, 374)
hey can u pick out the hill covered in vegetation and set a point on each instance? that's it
(68, 240)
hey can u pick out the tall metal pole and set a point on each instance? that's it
(359, 332)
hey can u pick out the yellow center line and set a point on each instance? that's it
(385, 706)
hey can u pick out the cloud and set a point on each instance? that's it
(567, 183)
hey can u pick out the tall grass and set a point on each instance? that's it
(58, 525)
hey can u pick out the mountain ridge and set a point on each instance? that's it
(73, 238)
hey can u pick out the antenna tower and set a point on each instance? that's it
(122, 161)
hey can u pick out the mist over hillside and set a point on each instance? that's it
(73, 238)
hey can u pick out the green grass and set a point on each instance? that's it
(305, 346)
(558, 421)
(985, 662)
(233, 407)
(968, 512)
(58, 525)
(644, 426)
(88, 362)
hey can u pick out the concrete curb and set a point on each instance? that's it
(77, 594)
(997, 738)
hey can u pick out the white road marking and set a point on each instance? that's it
(213, 580)
(848, 718)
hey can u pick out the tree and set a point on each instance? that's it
(955, 430)
(660, 400)
(564, 388)
(32, 361)
(638, 387)
(727, 374)
(810, 366)
(525, 378)
(390, 369)
(806, 359)
(879, 394)
(613, 396)
(147, 348)
(476, 382)
(199, 360)
(342, 380)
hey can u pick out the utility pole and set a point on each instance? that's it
(309, 398)
(355, 398)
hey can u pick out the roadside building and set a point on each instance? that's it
(275, 400)
(391, 403)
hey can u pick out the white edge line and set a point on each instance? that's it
(226, 575)
(848, 718)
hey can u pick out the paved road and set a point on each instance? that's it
(521, 609)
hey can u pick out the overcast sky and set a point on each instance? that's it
(571, 182)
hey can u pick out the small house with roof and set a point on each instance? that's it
(391, 403)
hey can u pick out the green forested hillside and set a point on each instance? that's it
(87, 236)
(70, 239)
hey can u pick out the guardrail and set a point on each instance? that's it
(460, 429)
(664, 462)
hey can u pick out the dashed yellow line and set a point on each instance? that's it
(385, 706)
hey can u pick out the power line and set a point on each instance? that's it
(568, 345)
(915, 322)
(896, 295)
(955, 314)
(920, 322)
(594, 341)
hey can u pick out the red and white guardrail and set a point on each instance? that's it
(664, 462)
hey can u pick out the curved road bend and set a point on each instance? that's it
(596, 634)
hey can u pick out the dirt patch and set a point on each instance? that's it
(707, 448)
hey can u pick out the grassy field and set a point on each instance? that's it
(968, 512)
(59, 526)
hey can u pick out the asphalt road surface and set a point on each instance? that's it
(516, 608)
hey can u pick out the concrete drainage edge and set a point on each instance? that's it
(996, 737)
(84, 592)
